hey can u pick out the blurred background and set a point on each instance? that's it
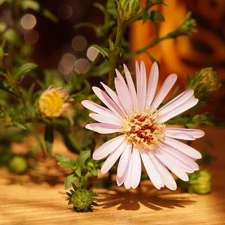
(50, 35)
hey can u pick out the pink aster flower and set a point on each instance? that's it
(144, 138)
(53, 102)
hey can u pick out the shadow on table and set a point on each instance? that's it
(149, 197)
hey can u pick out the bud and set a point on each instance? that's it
(204, 83)
(18, 164)
(53, 102)
(186, 28)
(200, 182)
(82, 200)
(127, 9)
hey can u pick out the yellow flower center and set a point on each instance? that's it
(142, 131)
(51, 103)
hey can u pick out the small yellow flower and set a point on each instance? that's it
(53, 102)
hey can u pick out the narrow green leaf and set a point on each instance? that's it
(101, 50)
(49, 137)
(25, 68)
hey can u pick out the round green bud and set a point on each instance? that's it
(18, 164)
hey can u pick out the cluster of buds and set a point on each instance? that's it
(204, 83)
(127, 9)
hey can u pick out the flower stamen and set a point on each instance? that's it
(142, 131)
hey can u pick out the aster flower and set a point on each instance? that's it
(53, 102)
(145, 138)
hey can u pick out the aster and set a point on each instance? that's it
(144, 139)
(53, 102)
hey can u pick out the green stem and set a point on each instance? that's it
(116, 51)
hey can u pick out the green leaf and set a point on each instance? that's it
(18, 124)
(49, 137)
(82, 158)
(69, 180)
(156, 15)
(25, 68)
(103, 51)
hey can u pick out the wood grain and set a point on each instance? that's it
(40, 198)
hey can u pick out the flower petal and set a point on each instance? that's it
(180, 99)
(124, 160)
(168, 180)
(136, 168)
(186, 163)
(171, 163)
(112, 158)
(107, 100)
(131, 87)
(123, 93)
(107, 119)
(108, 147)
(141, 86)
(164, 90)
(178, 110)
(151, 170)
(187, 150)
(152, 83)
(184, 133)
(103, 128)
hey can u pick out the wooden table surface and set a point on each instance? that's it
(40, 198)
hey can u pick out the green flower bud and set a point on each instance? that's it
(204, 83)
(82, 200)
(186, 27)
(200, 182)
(127, 9)
(18, 164)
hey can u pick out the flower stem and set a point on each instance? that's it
(116, 51)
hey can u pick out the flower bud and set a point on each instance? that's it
(82, 199)
(200, 182)
(204, 83)
(127, 9)
(52, 102)
(18, 164)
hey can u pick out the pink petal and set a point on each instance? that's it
(112, 158)
(171, 163)
(164, 90)
(103, 128)
(95, 107)
(186, 163)
(108, 147)
(136, 168)
(114, 97)
(131, 87)
(107, 119)
(183, 133)
(123, 93)
(107, 100)
(178, 110)
(187, 150)
(152, 83)
(168, 180)
(151, 170)
(177, 101)
(127, 181)
(141, 86)
(124, 160)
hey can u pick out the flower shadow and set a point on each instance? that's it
(143, 197)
